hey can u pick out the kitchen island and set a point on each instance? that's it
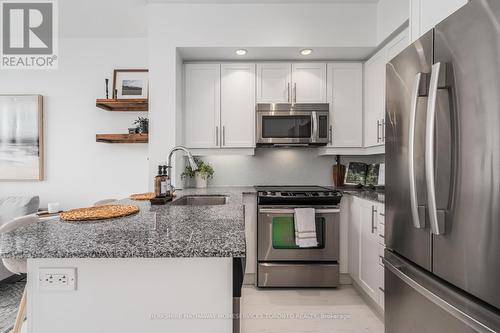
(169, 268)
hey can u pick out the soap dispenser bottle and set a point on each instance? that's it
(160, 183)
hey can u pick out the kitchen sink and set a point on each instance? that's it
(200, 200)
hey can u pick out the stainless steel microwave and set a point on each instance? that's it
(292, 124)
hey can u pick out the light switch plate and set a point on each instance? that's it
(57, 279)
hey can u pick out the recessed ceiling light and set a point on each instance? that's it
(241, 52)
(306, 52)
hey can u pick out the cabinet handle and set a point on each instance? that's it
(223, 135)
(331, 135)
(295, 92)
(217, 135)
(383, 131)
(378, 131)
(374, 213)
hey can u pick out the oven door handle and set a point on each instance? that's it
(291, 211)
(315, 134)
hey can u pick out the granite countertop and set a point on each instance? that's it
(372, 195)
(182, 231)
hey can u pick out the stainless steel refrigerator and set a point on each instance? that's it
(442, 263)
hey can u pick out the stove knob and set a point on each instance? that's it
(273, 193)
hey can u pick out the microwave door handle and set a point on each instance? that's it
(411, 152)
(315, 134)
(429, 148)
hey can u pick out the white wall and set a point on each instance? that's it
(237, 25)
(391, 14)
(78, 170)
(278, 166)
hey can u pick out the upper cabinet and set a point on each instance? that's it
(238, 105)
(345, 96)
(219, 105)
(374, 90)
(274, 83)
(291, 83)
(202, 105)
(309, 82)
(425, 14)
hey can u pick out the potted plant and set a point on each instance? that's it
(205, 171)
(142, 125)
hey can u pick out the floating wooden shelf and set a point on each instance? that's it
(122, 138)
(122, 104)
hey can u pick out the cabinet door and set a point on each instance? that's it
(369, 263)
(202, 105)
(345, 96)
(354, 233)
(274, 83)
(374, 92)
(309, 83)
(238, 105)
(425, 14)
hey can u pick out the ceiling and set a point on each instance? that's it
(273, 53)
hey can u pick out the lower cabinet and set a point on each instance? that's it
(366, 246)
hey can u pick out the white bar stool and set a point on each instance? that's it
(18, 266)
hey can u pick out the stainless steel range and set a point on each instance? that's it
(280, 261)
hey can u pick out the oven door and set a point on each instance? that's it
(276, 235)
(293, 127)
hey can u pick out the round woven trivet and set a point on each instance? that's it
(99, 213)
(142, 196)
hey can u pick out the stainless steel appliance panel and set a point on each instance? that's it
(408, 74)
(416, 302)
(292, 124)
(466, 240)
(298, 275)
(329, 251)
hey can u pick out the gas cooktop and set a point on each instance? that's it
(297, 195)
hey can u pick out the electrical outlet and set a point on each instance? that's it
(57, 279)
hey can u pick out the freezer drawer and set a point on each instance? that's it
(416, 302)
(298, 275)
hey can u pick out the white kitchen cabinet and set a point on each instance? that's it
(291, 82)
(237, 105)
(374, 92)
(202, 105)
(274, 82)
(374, 89)
(354, 238)
(219, 106)
(250, 209)
(425, 14)
(345, 96)
(309, 82)
(365, 245)
(369, 259)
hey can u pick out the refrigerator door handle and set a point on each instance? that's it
(420, 285)
(411, 152)
(429, 148)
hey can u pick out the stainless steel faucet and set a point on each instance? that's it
(192, 163)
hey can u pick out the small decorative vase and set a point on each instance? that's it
(200, 182)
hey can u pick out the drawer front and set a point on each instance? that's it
(297, 275)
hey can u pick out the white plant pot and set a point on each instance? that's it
(200, 182)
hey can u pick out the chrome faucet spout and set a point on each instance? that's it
(192, 164)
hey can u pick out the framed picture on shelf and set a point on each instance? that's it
(130, 84)
(21, 137)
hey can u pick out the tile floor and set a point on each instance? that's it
(343, 311)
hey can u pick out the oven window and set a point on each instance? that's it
(286, 127)
(283, 233)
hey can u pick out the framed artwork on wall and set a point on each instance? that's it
(130, 84)
(21, 137)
